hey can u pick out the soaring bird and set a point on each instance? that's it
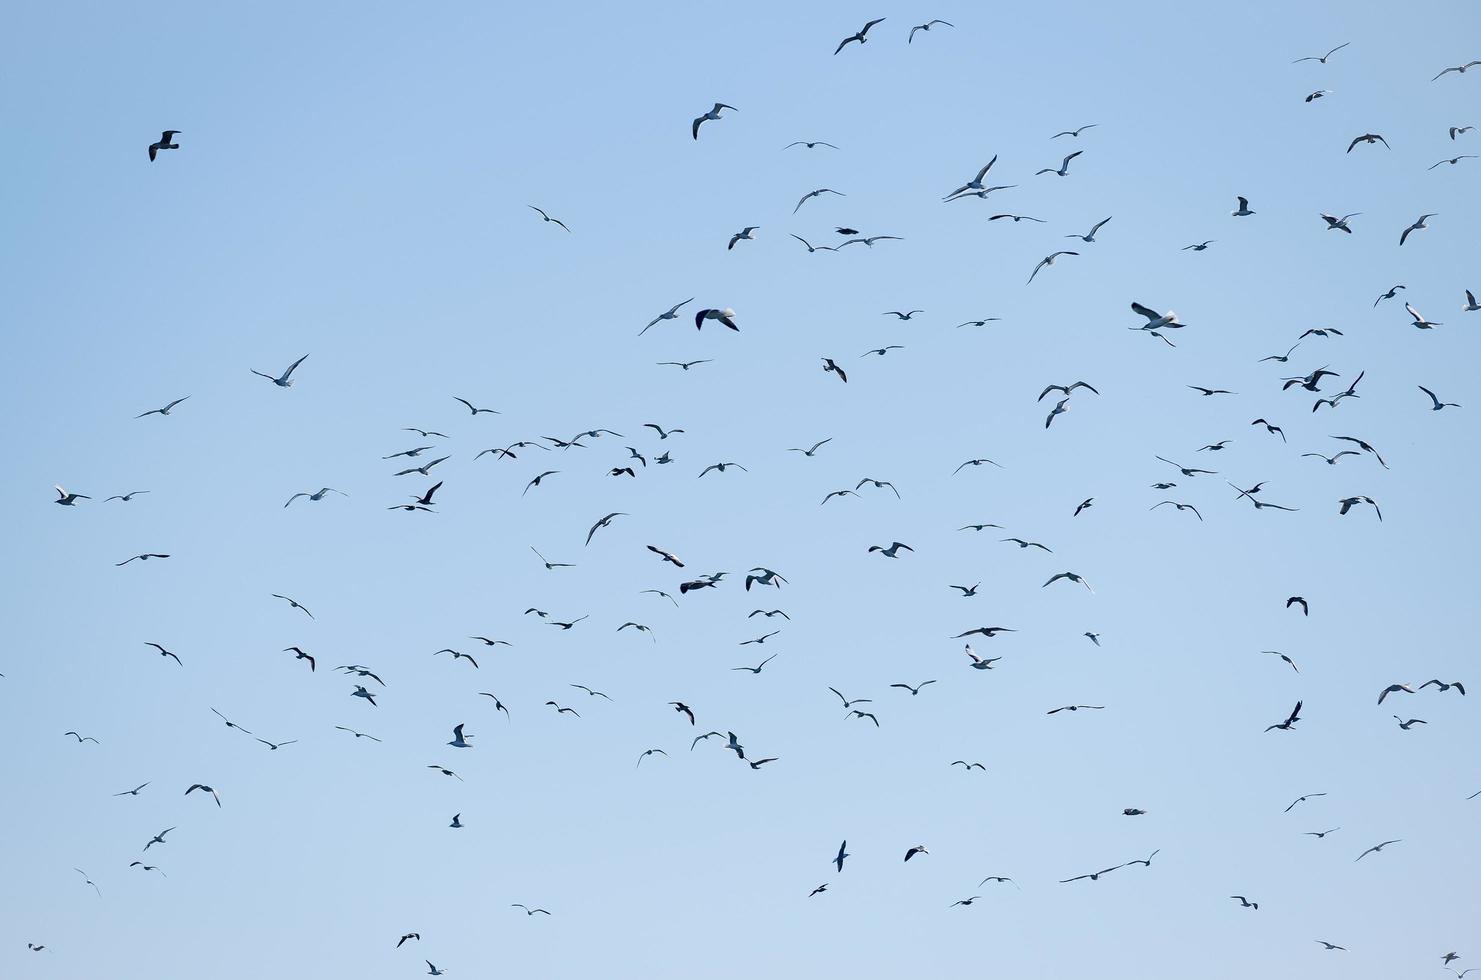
(744, 235)
(1064, 168)
(605, 521)
(892, 551)
(1245, 903)
(714, 113)
(204, 789)
(161, 411)
(547, 217)
(725, 316)
(284, 380)
(812, 194)
(917, 849)
(1070, 576)
(1368, 138)
(811, 145)
(1322, 58)
(166, 142)
(1290, 721)
(1048, 260)
(1335, 223)
(1435, 401)
(1379, 847)
(926, 27)
(830, 367)
(974, 185)
(1404, 236)
(1243, 211)
(1394, 689)
(1452, 160)
(1347, 503)
(1458, 69)
(858, 35)
(671, 314)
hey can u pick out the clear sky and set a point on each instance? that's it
(352, 183)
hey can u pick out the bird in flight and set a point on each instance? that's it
(548, 218)
(284, 380)
(858, 36)
(1322, 58)
(165, 142)
(714, 113)
(161, 411)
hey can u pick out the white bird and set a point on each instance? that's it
(725, 316)
(319, 495)
(1458, 69)
(1048, 260)
(1419, 321)
(1471, 305)
(459, 741)
(1064, 168)
(1155, 320)
(1339, 224)
(672, 314)
(712, 114)
(284, 380)
(1418, 224)
(69, 499)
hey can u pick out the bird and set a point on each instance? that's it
(917, 849)
(975, 184)
(1319, 834)
(1284, 657)
(1303, 799)
(161, 411)
(1394, 689)
(1452, 160)
(892, 551)
(714, 113)
(1067, 390)
(1347, 503)
(284, 380)
(1200, 246)
(1272, 429)
(1458, 69)
(1420, 323)
(1406, 725)
(1442, 687)
(319, 494)
(204, 789)
(432, 970)
(856, 713)
(549, 566)
(274, 746)
(473, 409)
(1179, 506)
(760, 639)
(1471, 307)
(671, 314)
(1064, 168)
(1092, 637)
(358, 735)
(158, 838)
(1185, 470)
(166, 142)
(1459, 130)
(1319, 93)
(548, 218)
(975, 462)
(457, 824)
(1335, 223)
(1206, 392)
(229, 722)
(1404, 236)
(164, 653)
(1290, 721)
(604, 522)
(859, 35)
(1322, 58)
(1076, 707)
(725, 316)
(69, 499)
(813, 144)
(1394, 290)
(913, 690)
(744, 235)
(459, 741)
(647, 752)
(1245, 903)
(926, 27)
(361, 692)
(1090, 238)
(1070, 576)
(1435, 401)
(902, 314)
(829, 367)
(1364, 447)
(757, 669)
(882, 351)
(967, 592)
(980, 663)
(536, 482)
(969, 766)
(812, 194)
(125, 497)
(410, 935)
(562, 711)
(1156, 321)
(1376, 848)
(1027, 544)
(1368, 138)
(1048, 260)
(1243, 211)
(815, 447)
(134, 792)
(721, 468)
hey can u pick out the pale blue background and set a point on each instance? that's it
(352, 183)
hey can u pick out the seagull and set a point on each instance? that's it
(1347, 503)
(1179, 506)
(432, 970)
(472, 409)
(1436, 401)
(856, 713)
(1368, 138)
(1064, 168)
(1393, 689)
(967, 593)
(812, 194)
(204, 789)
(913, 690)
(725, 316)
(1418, 224)
(166, 409)
(1335, 223)
(980, 663)
(1272, 429)
(744, 235)
(361, 692)
(125, 497)
(1378, 847)
(167, 142)
(1243, 210)
(1364, 447)
(1287, 659)
(1090, 238)
(1458, 69)
(815, 446)
(1319, 834)
(969, 766)
(135, 792)
(976, 184)
(1290, 721)
(547, 217)
(284, 380)
(760, 639)
(83, 738)
(410, 935)
(859, 36)
(88, 881)
(641, 757)
(1303, 799)
(672, 314)
(425, 469)
(1323, 58)
(563, 711)
(810, 145)
(320, 494)
(1296, 600)
(926, 27)
(1406, 725)
(1319, 93)
(1186, 470)
(1453, 160)
(905, 315)
(1245, 903)
(734, 746)
(1076, 707)
(830, 367)
(1200, 246)
(978, 323)
(757, 669)
(811, 248)
(1206, 392)
(1155, 320)
(712, 114)
(604, 522)
(229, 722)
(357, 735)
(892, 551)
(721, 467)
(69, 499)
(1071, 576)
(1048, 260)
(1443, 687)
(848, 703)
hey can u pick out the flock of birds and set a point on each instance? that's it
(556, 458)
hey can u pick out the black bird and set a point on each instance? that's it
(1290, 721)
(605, 521)
(547, 217)
(1368, 138)
(167, 142)
(857, 36)
(830, 366)
(163, 652)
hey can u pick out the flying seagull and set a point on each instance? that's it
(1436, 401)
(812, 194)
(672, 314)
(1064, 168)
(1322, 58)
(857, 36)
(284, 380)
(161, 411)
(1048, 260)
(926, 27)
(1243, 211)
(1379, 847)
(166, 142)
(1458, 69)
(547, 217)
(1404, 236)
(712, 114)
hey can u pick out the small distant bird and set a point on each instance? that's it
(547, 217)
(1458, 69)
(1319, 93)
(1452, 160)
(1070, 576)
(892, 551)
(1303, 799)
(1092, 637)
(830, 367)
(1435, 401)
(1404, 236)
(812, 194)
(672, 314)
(457, 824)
(1379, 847)
(1085, 504)
(1200, 246)
(1322, 58)
(1048, 260)
(725, 316)
(744, 235)
(161, 411)
(980, 663)
(1290, 721)
(125, 497)
(1368, 138)
(1243, 211)
(926, 27)
(1245, 903)
(1394, 689)
(1347, 503)
(1132, 811)
(204, 789)
(1406, 725)
(714, 113)
(1076, 707)
(1272, 429)
(917, 849)
(1090, 238)
(818, 890)
(144, 557)
(1335, 223)
(913, 690)
(647, 752)
(1063, 169)
(529, 911)
(410, 935)
(1074, 132)
(166, 142)
(858, 35)
(284, 380)
(810, 145)
(969, 766)
(69, 499)
(856, 713)
(1288, 660)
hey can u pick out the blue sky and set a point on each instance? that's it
(352, 183)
